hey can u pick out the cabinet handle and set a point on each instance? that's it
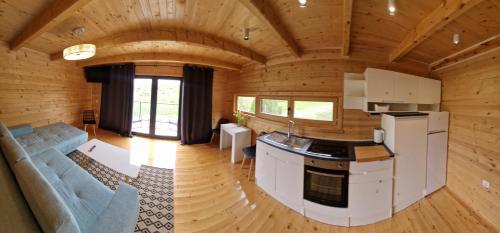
(380, 181)
(387, 93)
(410, 93)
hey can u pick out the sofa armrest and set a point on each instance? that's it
(21, 130)
(122, 213)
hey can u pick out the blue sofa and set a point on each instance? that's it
(44, 190)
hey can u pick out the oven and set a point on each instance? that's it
(326, 182)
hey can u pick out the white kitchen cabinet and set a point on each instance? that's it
(281, 174)
(265, 170)
(429, 91)
(370, 192)
(406, 88)
(379, 85)
(290, 183)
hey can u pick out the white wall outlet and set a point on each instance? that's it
(486, 184)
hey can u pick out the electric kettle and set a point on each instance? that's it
(378, 135)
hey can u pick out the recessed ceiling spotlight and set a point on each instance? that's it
(391, 7)
(302, 3)
(456, 39)
(246, 34)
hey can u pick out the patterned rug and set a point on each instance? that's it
(156, 188)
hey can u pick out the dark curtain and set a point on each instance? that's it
(117, 98)
(196, 112)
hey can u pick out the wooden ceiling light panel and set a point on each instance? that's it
(488, 45)
(14, 14)
(476, 25)
(179, 35)
(263, 10)
(374, 33)
(316, 26)
(160, 57)
(437, 19)
(51, 16)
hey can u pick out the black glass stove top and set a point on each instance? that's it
(331, 148)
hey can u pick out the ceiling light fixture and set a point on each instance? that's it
(456, 38)
(392, 7)
(246, 33)
(81, 51)
(302, 3)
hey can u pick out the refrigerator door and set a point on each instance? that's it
(437, 153)
(438, 121)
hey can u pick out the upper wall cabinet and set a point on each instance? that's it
(429, 91)
(386, 91)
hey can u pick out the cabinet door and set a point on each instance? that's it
(406, 88)
(265, 171)
(290, 184)
(370, 202)
(379, 85)
(429, 91)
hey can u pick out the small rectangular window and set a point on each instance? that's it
(274, 107)
(313, 110)
(246, 104)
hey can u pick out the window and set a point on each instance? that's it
(275, 107)
(314, 110)
(246, 104)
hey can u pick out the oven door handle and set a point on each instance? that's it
(325, 174)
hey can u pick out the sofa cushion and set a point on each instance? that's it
(13, 152)
(85, 196)
(48, 207)
(21, 130)
(63, 137)
(16, 215)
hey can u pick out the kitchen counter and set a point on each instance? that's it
(303, 151)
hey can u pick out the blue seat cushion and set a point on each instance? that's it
(250, 151)
(63, 137)
(85, 196)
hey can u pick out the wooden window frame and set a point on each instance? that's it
(257, 105)
(270, 116)
(317, 123)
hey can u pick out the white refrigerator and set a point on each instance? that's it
(437, 150)
(406, 136)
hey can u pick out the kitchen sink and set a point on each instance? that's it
(293, 141)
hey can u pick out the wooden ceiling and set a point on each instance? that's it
(213, 30)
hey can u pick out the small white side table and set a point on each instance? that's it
(236, 137)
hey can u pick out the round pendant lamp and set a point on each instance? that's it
(79, 52)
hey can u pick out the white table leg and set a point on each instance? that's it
(240, 141)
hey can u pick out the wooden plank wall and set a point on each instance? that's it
(320, 77)
(220, 107)
(35, 90)
(471, 93)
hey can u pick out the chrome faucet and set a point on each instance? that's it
(290, 128)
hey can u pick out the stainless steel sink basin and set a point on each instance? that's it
(293, 141)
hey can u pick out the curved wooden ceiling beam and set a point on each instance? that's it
(263, 10)
(52, 15)
(159, 57)
(346, 30)
(440, 17)
(178, 35)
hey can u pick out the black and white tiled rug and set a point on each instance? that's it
(156, 188)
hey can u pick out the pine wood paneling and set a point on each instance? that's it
(35, 90)
(471, 93)
(310, 78)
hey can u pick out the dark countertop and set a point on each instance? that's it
(406, 114)
(303, 152)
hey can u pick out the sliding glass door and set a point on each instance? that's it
(156, 107)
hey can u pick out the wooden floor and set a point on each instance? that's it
(212, 195)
